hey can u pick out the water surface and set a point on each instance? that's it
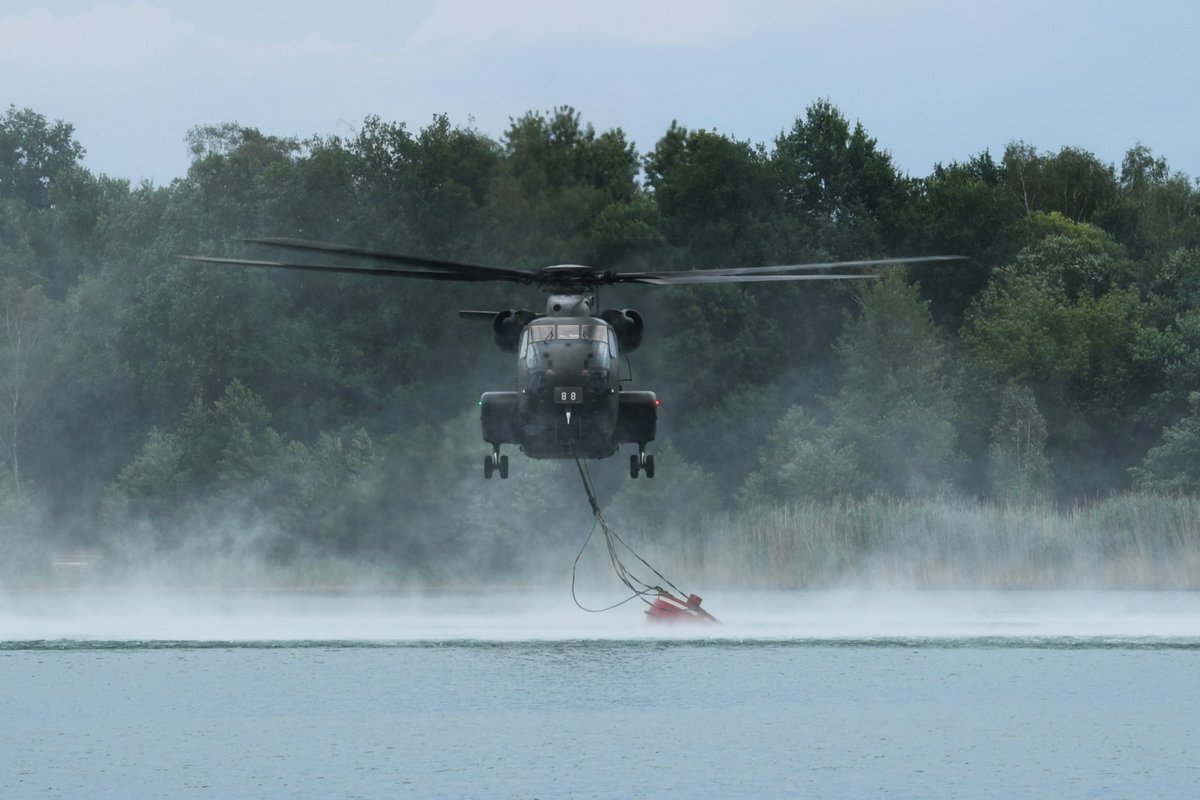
(821, 695)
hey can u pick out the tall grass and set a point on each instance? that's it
(1128, 541)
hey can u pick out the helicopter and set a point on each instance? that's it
(569, 401)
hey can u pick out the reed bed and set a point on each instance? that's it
(1132, 541)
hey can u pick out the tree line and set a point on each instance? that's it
(143, 399)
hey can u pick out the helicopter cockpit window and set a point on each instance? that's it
(536, 334)
(532, 336)
(540, 333)
(595, 333)
(601, 335)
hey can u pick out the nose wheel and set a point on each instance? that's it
(641, 462)
(495, 463)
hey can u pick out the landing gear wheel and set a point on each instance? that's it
(638, 462)
(495, 462)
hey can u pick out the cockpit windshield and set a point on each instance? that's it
(574, 331)
(544, 333)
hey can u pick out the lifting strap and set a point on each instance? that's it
(638, 588)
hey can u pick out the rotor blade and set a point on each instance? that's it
(467, 314)
(483, 270)
(678, 278)
(377, 271)
(872, 262)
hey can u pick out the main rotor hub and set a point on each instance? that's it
(574, 278)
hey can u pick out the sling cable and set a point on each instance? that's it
(662, 605)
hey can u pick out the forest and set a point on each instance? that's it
(1029, 416)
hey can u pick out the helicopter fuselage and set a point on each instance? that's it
(568, 401)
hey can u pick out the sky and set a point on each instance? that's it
(932, 80)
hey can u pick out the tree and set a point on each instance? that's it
(190, 330)
(557, 177)
(236, 184)
(425, 193)
(29, 321)
(961, 209)
(225, 466)
(228, 446)
(34, 153)
(717, 340)
(838, 183)
(805, 459)
(715, 195)
(1081, 258)
(898, 405)
(1168, 345)
(1173, 467)
(1020, 470)
(1062, 321)
(1156, 211)
(891, 427)
(1072, 182)
(49, 204)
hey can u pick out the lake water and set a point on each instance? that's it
(854, 694)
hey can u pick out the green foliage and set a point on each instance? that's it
(803, 458)
(714, 194)
(424, 193)
(961, 209)
(1079, 258)
(556, 179)
(237, 179)
(838, 184)
(680, 502)
(1057, 322)
(1169, 347)
(1020, 470)
(224, 465)
(717, 333)
(1081, 297)
(898, 403)
(555, 151)
(725, 438)
(1028, 330)
(1071, 182)
(28, 325)
(1156, 211)
(34, 155)
(964, 208)
(1173, 467)
(892, 425)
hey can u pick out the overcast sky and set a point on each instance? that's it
(932, 80)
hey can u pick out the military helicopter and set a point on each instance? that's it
(568, 402)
